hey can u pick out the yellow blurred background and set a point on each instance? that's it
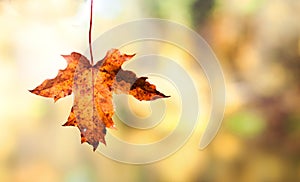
(257, 43)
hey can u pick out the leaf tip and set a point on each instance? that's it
(73, 56)
(95, 145)
(130, 55)
(66, 57)
(70, 123)
(34, 91)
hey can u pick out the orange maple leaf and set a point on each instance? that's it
(92, 86)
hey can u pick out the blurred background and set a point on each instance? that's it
(257, 43)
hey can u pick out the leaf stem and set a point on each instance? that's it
(90, 34)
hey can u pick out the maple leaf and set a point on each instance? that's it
(93, 86)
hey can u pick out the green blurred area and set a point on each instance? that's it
(257, 43)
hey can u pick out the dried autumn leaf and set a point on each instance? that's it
(93, 86)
